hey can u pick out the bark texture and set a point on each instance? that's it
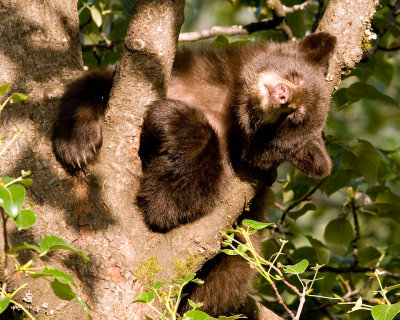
(39, 53)
(348, 20)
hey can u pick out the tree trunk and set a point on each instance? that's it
(40, 52)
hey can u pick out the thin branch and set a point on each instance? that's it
(280, 300)
(301, 304)
(5, 237)
(277, 21)
(231, 31)
(357, 229)
(286, 30)
(297, 202)
(6, 248)
(353, 269)
(210, 33)
(297, 7)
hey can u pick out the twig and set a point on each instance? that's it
(297, 202)
(297, 7)
(6, 248)
(287, 31)
(230, 31)
(301, 304)
(353, 269)
(214, 31)
(279, 10)
(107, 41)
(5, 237)
(357, 228)
(280, 300)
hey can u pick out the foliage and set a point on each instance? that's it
(14, 207)
(275, 272)
(169, 295)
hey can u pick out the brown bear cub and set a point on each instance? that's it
(241, 110)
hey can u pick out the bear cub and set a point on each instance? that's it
(241, 110)
(246, 108)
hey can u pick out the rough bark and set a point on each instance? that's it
(39, 53)
(348, 20)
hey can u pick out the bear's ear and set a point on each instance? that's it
(313, 159)
(317, 48)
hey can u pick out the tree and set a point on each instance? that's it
(40, 53)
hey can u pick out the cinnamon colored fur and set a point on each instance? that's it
(241, 110)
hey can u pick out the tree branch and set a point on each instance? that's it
(348, 22)
(231, 31)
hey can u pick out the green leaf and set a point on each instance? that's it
(159, 284)
(340, 98)
(388, 204)
(18, 97)
(25, 246)
(192, 303)
(4, 88)
(189, 277)
(383, 67)
(25, 219)
(198, 281)
(57, 274)
(52, 243)
(12, 199)
(26, 182)
(304, 208)
(235, 317)
(62, 290)
(229, 252)
(368, 160)
(241, 248)
(360, 90)
(256, 225)
(368, 256)
(338, 235)
(220, 41)
(85, 306)
(96, 15)
(145, 297)
(197, 315)
(5, 301)
(298, 268)
(322, 251)
(394, 287)
(385, 312)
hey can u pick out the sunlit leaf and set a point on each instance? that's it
(52, 243)
(18, 97)
(297, 268)
(197, 315)
(85, 306)
(145, 297)
(256, 225)
(5, 301)
(4, 88)
(25, 219)
(62, 290)
(96, 15)
(57, 274)
(12, 199)
(385, 312)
